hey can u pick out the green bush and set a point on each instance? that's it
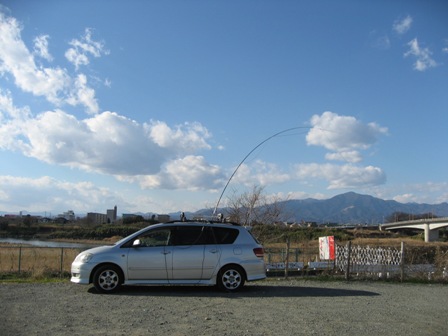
(99, 233)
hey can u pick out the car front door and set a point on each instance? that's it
(147, 257)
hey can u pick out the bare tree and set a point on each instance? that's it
(254, 207)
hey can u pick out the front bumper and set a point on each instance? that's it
(81, 273)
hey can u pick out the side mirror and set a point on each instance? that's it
(136, 243)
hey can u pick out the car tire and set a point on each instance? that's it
(231, 278)
(107, 279)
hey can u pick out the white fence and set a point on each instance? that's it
(363, 261)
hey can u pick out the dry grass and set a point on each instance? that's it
(42, 262)
(37, 261)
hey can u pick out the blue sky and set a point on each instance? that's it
(151, 105)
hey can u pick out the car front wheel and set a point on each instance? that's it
(107, 279)
(231, 278)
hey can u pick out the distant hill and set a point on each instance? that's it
(349, 208)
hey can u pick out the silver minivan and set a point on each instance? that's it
(175, 253)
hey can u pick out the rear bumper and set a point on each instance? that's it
(255, 270)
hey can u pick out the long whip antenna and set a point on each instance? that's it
(248, 154)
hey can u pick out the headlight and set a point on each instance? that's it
(84, 257)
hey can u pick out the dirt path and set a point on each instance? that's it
(272, 307)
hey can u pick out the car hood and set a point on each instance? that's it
(99, 249)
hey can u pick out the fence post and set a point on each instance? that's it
(347, 270)
(62, 262)
(20, 257)
(402, 263)
(287, 257)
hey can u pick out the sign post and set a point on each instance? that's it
(326, 248)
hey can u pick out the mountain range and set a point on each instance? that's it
(347, 208)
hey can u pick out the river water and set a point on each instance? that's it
(42, 243)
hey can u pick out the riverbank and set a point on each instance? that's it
(13, 242)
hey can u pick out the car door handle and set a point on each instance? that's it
(213, 251)
(166, 252)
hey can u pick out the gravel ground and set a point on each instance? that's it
(270, 307)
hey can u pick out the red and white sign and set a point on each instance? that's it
(326, 248)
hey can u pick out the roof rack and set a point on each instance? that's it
(204, 219)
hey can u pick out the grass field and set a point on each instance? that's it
(37, 262)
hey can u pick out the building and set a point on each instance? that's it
(96, 218)
(68, 215)
(111, 215)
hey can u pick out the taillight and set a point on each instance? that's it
(259, 252)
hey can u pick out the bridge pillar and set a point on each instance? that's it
(431, 235)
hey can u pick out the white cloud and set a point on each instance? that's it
(189, 136)
(336, 176)
(112, 144)
(10, 112)
(342, 176)
(445, 49)
(429, 192)
(348, 156)
(55, 84)
(403, 25)
(344, 135)
(83, 95)
(46, 193)
(41, 47)
(16, 59)
(292, 195)
(11, 121)
(422, 55)
(84, 47)
(260, 173)
(106, 143)
(405, 198)
(190, 172)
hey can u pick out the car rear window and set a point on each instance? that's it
(225, 235)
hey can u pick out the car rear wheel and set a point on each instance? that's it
(231, 278)
(107, 279)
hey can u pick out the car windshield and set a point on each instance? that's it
(121, 241)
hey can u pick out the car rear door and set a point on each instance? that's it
(212, 254)
(187, 253)
(191, 258)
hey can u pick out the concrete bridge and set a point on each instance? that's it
(430, 225)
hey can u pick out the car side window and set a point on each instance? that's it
(188, 235)
(208, 236)
(225, 235)
(153, 238)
